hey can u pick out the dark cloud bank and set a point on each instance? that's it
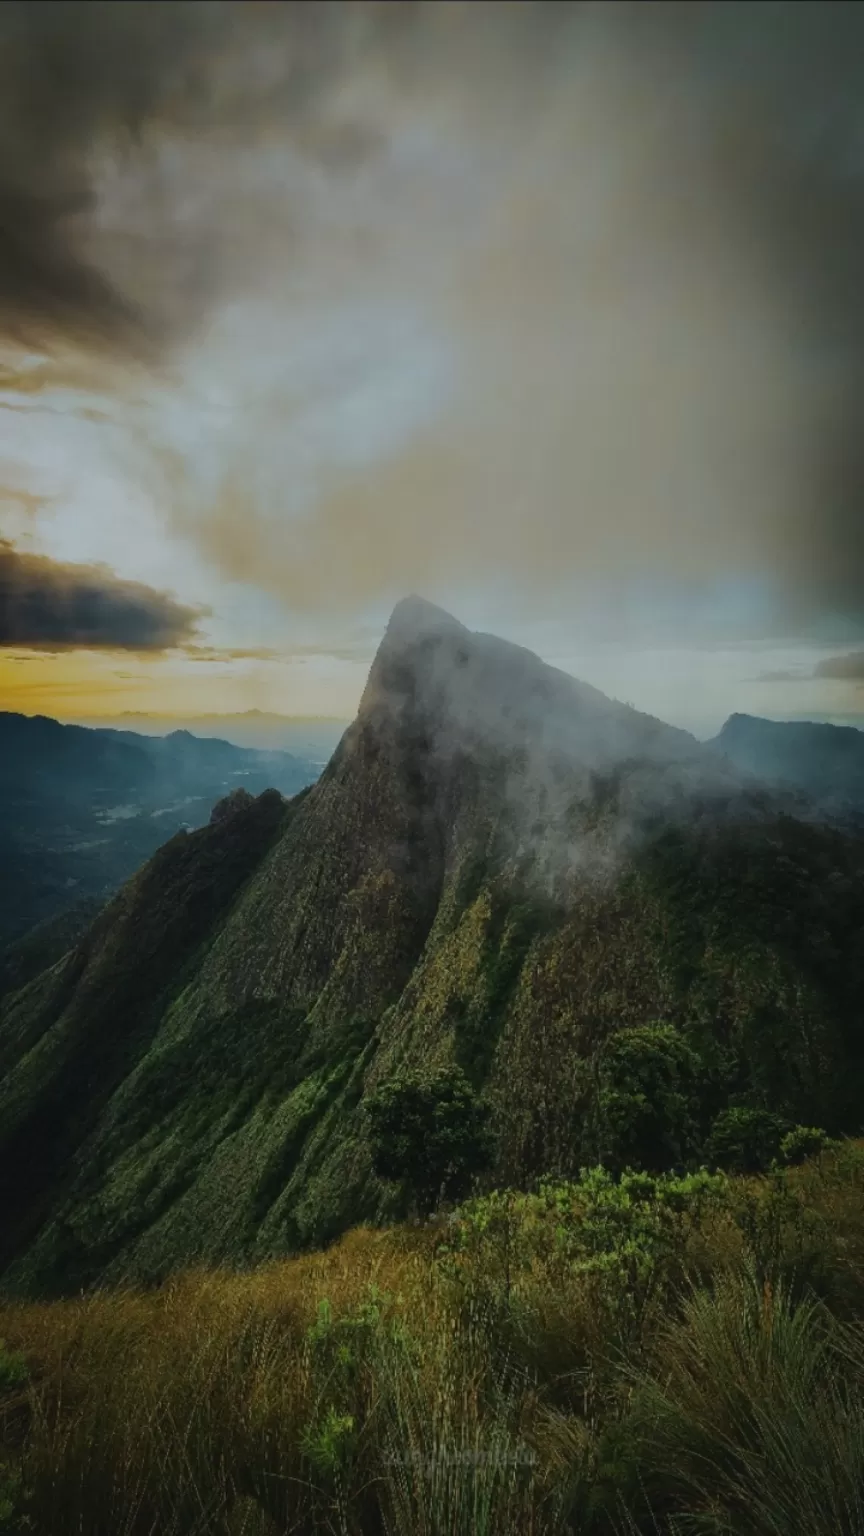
(85, 82)
(47, 605)
(848, 668)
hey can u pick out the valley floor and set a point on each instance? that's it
(641, 1355)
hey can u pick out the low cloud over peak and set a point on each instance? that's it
(53, 606)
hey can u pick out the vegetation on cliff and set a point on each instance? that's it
(500, 871)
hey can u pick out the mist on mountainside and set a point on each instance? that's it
(499, 870)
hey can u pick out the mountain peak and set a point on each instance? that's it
(414, 617)
(824, 761)
(482, 874)
(461, 691)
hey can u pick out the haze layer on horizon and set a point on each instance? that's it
(550, 312)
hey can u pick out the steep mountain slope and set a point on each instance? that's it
(80, 809)
(42, 946)
(825, 761)
(499, 865)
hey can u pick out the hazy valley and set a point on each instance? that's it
(81, 809)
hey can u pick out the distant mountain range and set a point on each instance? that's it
(825, 762)
(312, 737)
(499, 867)
(81, 809)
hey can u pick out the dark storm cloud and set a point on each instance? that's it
(86, 84)
(73, 77)
(849, 668)
(780, 90)
(798, 69)
(90, 79)
(48, 605)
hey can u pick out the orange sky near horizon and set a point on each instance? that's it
(100, 687)
(91, 685)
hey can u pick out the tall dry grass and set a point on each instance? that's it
(328, 1394)
(750, 1418)
(376, 1390)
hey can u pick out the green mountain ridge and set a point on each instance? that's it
(499, 866)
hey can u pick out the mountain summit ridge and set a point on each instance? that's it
(467, 691)
(821, 760)
(498, 867)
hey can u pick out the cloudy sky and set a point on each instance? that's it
(552, 313)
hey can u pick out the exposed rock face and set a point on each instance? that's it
(499, 865)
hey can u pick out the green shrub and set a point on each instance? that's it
(329, 1442)
(429, 1132)
(12, 1501)
(745, 1140)
(625, 1237)
(801, 1143)
(13, 1370)
(646, 1099)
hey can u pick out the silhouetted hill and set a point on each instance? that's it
(826, 762)
(499, 866)
(80, 809)
(312, 737)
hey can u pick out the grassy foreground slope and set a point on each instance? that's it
(499, 866)
(645, 1356)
